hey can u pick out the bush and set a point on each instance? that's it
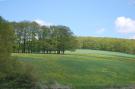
(19, 76)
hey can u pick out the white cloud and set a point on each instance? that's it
(125, 25)
(41, 22)
(100, 31)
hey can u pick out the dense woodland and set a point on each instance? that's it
(107, 44)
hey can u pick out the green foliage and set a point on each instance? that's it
(13, 75)
(6, 38)
(19, 76)
(84, 69)
(33, 38)
(108, 44)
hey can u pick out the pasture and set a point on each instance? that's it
(84, 69)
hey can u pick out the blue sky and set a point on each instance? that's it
(106, 18)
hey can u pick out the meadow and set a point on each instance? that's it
(83, 69)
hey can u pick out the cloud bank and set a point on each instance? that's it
(125, 25)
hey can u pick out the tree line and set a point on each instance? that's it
(30, 37)
(107, 44)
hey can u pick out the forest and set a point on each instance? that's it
(107, 44)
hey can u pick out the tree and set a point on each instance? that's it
(6, 38)
(26, 36)
(31, 37)
(13, 74)
(65, 40)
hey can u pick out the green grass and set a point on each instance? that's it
(84, 68)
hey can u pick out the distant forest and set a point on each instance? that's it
(107, 44)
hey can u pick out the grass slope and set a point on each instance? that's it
(84, 68)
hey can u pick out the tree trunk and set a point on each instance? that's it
(63, 51)
(58, 51)
(47, 51)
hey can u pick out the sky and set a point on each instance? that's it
(100, 18)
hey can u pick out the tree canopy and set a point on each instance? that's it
(33, 38)
(107, 44)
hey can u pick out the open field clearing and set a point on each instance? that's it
(84, 68)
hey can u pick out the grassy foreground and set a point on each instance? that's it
(84, 68)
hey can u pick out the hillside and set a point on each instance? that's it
(84, 68)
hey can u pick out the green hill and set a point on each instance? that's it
(84, 69)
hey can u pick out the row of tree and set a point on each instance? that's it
(31, 37)
(107, 44)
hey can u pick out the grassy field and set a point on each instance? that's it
(84, 68)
